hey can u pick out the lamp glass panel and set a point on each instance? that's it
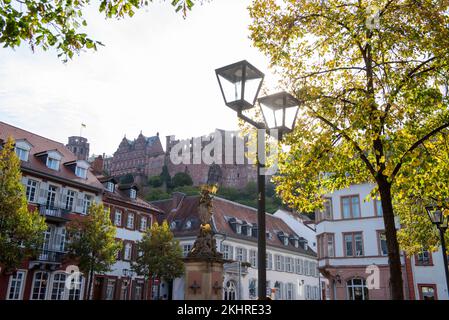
(279, 117)
(290, 117)
(231, 90)
(251, 88)
(269, 116)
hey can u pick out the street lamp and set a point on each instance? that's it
(436, 215)
(240, 85)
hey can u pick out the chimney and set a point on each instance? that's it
(97, 165)
(177, 198)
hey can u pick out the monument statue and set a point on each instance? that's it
(205, 244)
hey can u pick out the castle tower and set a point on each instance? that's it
(79, 146)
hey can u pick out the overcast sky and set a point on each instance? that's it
(155, 74)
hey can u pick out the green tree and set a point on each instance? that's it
(59, 24)
(92, 243)
(182, 179)
(372, 76)
(166, 178)
(155, 181)
(21, 230)
(188, 190)
(160, 255)
(156, 194)
(127, 179)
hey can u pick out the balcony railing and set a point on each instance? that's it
(59, 214)
(50, 256)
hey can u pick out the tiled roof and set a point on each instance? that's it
(120, 196)
(41, 145)
(223, 210)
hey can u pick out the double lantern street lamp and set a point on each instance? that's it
(436, 215)
(240, 85)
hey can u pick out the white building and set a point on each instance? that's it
(292, 272)
(352, 247)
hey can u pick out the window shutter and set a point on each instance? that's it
(137, 218)
(231, 252)
(24, 181)
(245, 255)
(63, 197)
(79, 203)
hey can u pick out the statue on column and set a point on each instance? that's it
(205, 244)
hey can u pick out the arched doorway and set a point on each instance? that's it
(229, 291)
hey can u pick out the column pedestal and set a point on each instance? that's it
(203, 279)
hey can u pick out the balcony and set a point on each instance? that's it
(47, 258)
(53, 213)
(236, 268)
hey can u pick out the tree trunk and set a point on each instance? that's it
(89, 287)
(394, 258)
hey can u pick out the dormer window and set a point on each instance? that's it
(81, 172)
(285, 241)
(22, 149)
(173, 225)
(22, 154)
(188, 224)
(53, 163)
(132, 193)
(110, 186)
(238, 228)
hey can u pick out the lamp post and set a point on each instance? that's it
(240, 85)
(436, 215)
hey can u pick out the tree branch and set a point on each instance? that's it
(416, 145)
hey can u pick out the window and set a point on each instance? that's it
(227, 252)
(279, 260)
(22, 153)
(124, 290)
(289, 292)
(143, 223)
(75, 288)
(285, 241)
(51, 196)
(350, 207)
(39, 290)
(53, 163)
(70, 199)
(298, 266)
(378, 208)
(128, 251)
(357, 289)
(238, 228)
(110, 289)
(81, 172)
(86, 203)
(240, 254)
(382, 243)
(118, 218)
(424, 258)
(330, 245)
(252, 289)
(353, 244)
(110, 186)
(57, 291)
(288, 264)
(16, 284)
(279, 290)
(306, 267)
(253, 258)
(138, 291)
(427, 291)
(186, 249)
(132, 193)
(269, 261)
(31, 190)
(130, 221)
(308, 292)
(326, 213)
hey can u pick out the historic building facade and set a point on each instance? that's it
(61, 188)
(352, 251)
(292, 272)
(145, 157)
(131, 216)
